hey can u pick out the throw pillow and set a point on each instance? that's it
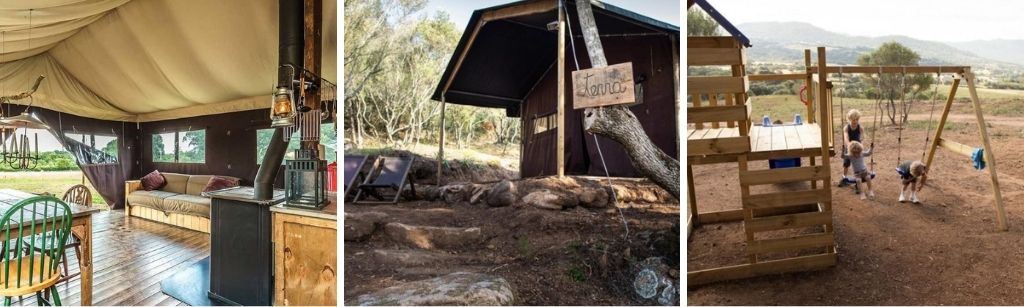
(153, 181)
(220, 183)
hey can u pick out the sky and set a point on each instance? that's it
(460, 10)
(945, 20)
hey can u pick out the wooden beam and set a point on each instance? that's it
(991, 164)
(734, 215)
(810, 89)
(789, 221)
(777, 77)
(560, 153)
(714, 56)
(530, 8)
(440, 143)
(717, 114)
(891, 69)
(691, 195)
(942, 124)
(312, 21)
(795, 264)
(825, 123)
(787, 198)
(674, 40)
(721, 85)
(784, 175)
(712, 42)
(791, 244)
(962, 149)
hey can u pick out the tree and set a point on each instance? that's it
(699, 23)
(892, 87)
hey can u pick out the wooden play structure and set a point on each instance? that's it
(722, 131)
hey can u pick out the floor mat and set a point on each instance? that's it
(191, 285)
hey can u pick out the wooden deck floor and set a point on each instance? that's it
(131, 260)
(765, 142)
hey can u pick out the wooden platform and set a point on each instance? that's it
(764, 142)
(131, 260)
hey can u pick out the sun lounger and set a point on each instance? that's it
(386, 180)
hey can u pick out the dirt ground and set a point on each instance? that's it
(944, 251)
(549, 257)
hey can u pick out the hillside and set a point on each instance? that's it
(784, 42)
(1006, 50)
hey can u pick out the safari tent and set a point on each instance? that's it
(152, 71)
(507, 58)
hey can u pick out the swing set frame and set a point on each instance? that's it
(960, 74)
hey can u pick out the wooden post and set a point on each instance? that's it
(826, 131)
(991, 163)
(942, 124)
(807, 83)
(312, 21)
(440, 144)
(691, 194)
(560, 147)
(675, 86)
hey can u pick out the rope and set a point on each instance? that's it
(899, 125)
(876, 119)
(928, 131)
(608, 177)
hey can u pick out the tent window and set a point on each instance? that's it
(545, 123)
(328, 137)
(93, 148)
(180, 147)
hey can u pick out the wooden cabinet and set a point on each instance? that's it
(305, 258)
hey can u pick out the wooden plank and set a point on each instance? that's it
(796, 264)
(713, 102)
(825, 132)
(791, 244)
(990, 157)
(305, 268)
(696, 103)
(716, 114)
(729, 101)
(721, 85)
(713, 56)
(958, 148)
(778, 138)
(786, 198)
(604, 86)
(792, 136)
(890, 69)
(711, 42)
(734, 215)
(691, 194)
(788, 221)
(718, 146)
(560, 147)
(698, 134)
(776, 77)
(784, 175)
(764, 138)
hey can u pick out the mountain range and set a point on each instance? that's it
(785, 41)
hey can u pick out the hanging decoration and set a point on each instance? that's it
(16, 148)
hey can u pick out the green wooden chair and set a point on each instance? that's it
(32, 252)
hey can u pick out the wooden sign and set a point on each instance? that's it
(604, 86)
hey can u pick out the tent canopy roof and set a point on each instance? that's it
(513, 50)
(147, 60)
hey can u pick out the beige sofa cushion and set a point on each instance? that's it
(152, 199)
(188, 204)
(176, 183)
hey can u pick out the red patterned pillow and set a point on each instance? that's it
(219, 183)
(153, 181)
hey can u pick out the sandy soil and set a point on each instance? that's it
(944, 251)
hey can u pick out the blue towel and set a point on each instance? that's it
(978, 157)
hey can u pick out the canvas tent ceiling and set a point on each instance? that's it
(147, 60)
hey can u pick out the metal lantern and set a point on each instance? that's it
(305, 180)
(282, 109)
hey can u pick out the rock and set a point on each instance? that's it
(428, 192)
(502, 194)
(461, 288)
(653, 283)
(458, 192)
(410, 257)
(359, 226)
(430, 237)
(594, 198)
(546, 199)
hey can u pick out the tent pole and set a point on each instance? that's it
(560, 150)
(990, 158)
(440, 143)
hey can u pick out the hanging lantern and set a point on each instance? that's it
(282, 109)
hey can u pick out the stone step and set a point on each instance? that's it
(360, 226)
(461, 288)
(433, 237)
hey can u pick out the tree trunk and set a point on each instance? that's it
(620, 124)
